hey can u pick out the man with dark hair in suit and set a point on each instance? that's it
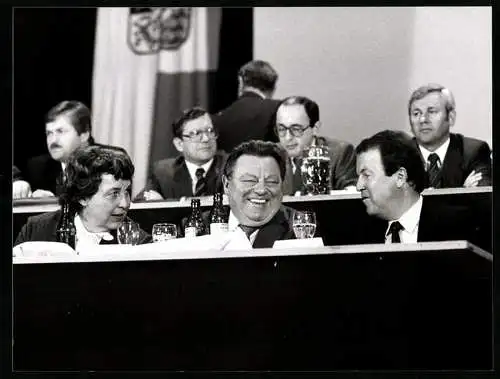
(253, 181)
(297, 124)
(451, 160)
(97, 191)
(391, 178)
(196, 171)
(67, 127)
(250, 116)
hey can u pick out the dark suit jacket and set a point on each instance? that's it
(465, 155)
(43, 227)
(438, 222)
(43, 172)
(248, 118)
(343, 161)
(278, 228)
(170, 177)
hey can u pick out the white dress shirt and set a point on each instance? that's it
(440, 151)
(86, 240)
(409, 220)
(192, 171)
(233, 227)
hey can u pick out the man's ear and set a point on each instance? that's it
(401, 177)
(84, 137)
(316, 127)
(178, 144)
(452, 116)
(225, 183)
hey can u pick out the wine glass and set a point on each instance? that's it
(163, 232)
(128, 233)
(304, 224)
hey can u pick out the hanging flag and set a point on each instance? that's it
(149, 65)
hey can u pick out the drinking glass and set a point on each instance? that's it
(128, 233)
(164, 231)
(304, 224)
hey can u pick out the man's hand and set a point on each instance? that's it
(473, 179)
(21, 189)
(42, 193)
(152, 195)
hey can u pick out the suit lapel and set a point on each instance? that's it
(182, 179)
(214, 173)
(274, 230)
(451, 171)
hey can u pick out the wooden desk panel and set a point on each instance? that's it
(426, 306)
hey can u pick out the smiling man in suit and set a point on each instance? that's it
(391, 179)
(250, 117)
(253, 181)
(197, 170)
(451, 160)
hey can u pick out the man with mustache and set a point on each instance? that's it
(196, 171)
(451, 160)
(97, 190)
(68, 127)
(391, 178)
(253, 182)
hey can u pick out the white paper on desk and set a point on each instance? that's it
(305, 242)
(43, 249)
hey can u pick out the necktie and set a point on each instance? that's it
(434, 171)
(394, 231)
(248, 230)
(297, 175)
(61, 178)
(201, 182)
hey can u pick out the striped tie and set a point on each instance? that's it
(434, 171)
(201, 182)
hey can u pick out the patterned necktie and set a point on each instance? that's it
(434, 171)
(61, 178)
(297, 175)
(201, 182)
(248, 230)
(394, 231)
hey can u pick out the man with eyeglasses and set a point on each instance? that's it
(451, 160)
(197, 170)
(297, 124)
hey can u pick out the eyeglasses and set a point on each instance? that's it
(197, 135)
(295, 130)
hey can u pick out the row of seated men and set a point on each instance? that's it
(203, 141)
(391, 178)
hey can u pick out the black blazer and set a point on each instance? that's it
(438, 222)
(464, 155)
(278, 228)
(250, 117)
(170, 178)
(43, 172)
(43, 227)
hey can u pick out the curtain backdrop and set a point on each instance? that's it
(149, 65)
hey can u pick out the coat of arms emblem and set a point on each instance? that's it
(153, 29)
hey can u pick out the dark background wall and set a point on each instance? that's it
(53, 61)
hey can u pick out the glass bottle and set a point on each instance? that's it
(218, 217)
(195, 225)
(66, 231)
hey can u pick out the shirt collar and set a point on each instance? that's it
(233, 222)
(63, 166)
(440, 151)
(82, 231)
(409, 220)
(193, 167)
